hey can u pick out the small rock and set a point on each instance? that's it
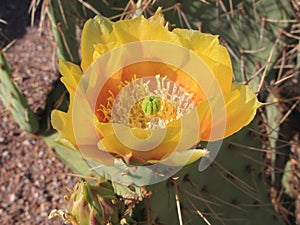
(2, 139)
(26, 143)
(12, 197)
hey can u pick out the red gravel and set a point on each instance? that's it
(32, 179)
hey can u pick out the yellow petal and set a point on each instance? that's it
(95, 31)
(77, 125)
(207, 47)
(142, 146)
(62, 122)
(138, 29)
(71, 75)
(226, 115)
(197, 41)
(158, 17)
(184, 157)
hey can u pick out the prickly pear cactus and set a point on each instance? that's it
(14, 100)
(231, 191)
(64, 28)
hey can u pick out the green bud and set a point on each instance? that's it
(91, 204)
(151, 105)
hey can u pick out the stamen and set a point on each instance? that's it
(175, 95)
(147, 103)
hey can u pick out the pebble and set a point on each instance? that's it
(12, 198)
(29, 169)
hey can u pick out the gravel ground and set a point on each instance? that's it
(32, 180)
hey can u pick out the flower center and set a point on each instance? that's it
(162, 113)
(148, 103)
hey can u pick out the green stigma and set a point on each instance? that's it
(151, 105)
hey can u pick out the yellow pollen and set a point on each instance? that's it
(138, 118)
(139, 107)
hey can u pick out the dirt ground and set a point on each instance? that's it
(32, 179)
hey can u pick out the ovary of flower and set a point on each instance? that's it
(151, 105)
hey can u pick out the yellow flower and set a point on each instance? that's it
(145, 94)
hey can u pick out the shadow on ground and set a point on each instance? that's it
(15, 14)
